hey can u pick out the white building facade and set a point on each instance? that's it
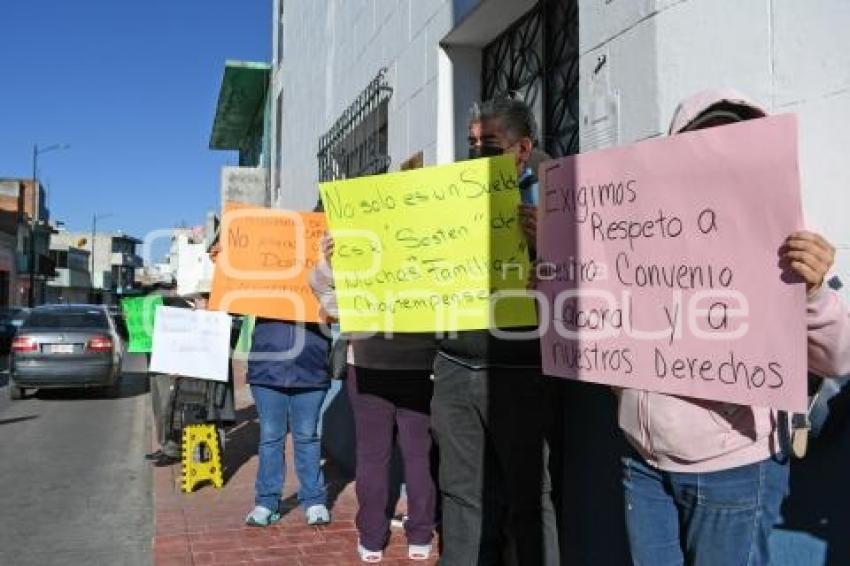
(632, 61)
(112, 261)
(365, 86)
(72, 283)
(188, 262)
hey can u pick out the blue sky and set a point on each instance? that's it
(132, 87)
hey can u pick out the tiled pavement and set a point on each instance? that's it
(206, 527)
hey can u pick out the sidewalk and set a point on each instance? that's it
(206, 527)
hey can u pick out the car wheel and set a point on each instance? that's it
(16, 392)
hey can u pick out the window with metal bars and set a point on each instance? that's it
(536, 60)
(357, 144)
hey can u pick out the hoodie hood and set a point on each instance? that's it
(727, 100)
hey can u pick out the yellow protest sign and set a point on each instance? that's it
(433, 249)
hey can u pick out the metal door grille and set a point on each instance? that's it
(536, 60)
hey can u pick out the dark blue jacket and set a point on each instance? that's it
(276, 362)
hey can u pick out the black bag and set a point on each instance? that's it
(829, 408)
(338, 358)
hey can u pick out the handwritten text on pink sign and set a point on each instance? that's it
(660, 266)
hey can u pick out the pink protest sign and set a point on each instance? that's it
(660, 266)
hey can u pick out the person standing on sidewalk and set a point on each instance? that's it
(163, 387)
(705, 480)
(288, 375)
(390, 388)
(490, 410)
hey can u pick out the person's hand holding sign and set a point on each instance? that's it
(810, 256)
(528, 222)
(327, 247)
(215, 251)
(322, 280)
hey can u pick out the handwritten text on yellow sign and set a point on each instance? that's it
(433, 249)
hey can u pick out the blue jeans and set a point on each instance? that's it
(717, 518)
(299, 408)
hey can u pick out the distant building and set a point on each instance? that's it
(188, 261)
(150, 275)
(72, 283)
(21, 240)
(112, 261)
(10, 292)
(186, 268)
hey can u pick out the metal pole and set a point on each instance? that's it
(93, 234)
(31, 290)
(35, 213)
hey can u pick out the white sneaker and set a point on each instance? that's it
(262, 517)
(366, 555)
(318, 515)
(418, 551)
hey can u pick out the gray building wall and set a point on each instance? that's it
(331, 51)
(790, 56)
(103, 256)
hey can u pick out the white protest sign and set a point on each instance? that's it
(191, 343)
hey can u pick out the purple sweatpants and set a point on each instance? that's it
(403, 404)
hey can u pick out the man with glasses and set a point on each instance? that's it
(489, 406)
(474, 134)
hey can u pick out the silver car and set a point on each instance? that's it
(66, 346)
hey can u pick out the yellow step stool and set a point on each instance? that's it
(201, 439)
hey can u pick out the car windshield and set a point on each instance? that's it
(66, 319)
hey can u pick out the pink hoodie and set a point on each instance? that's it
(680, 434)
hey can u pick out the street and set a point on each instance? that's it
(74, 485)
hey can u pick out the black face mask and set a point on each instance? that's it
(485, 151)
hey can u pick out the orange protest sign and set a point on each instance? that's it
(265, 262)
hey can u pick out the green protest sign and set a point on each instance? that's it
(139, 315)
